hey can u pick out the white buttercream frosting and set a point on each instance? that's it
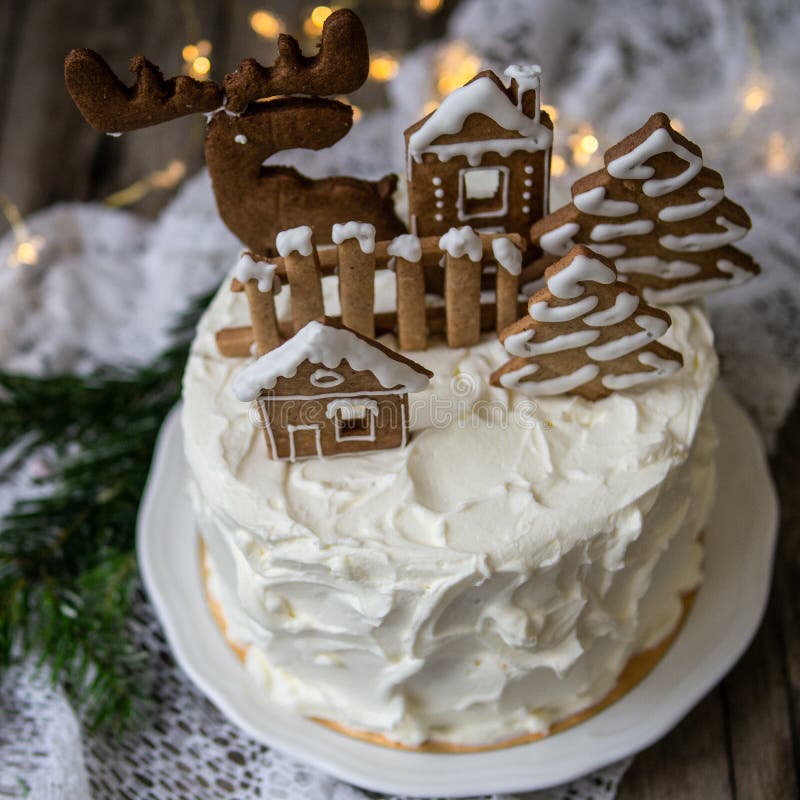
(488, 579)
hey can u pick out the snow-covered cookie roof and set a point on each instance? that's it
(484, 95)
(328, 345)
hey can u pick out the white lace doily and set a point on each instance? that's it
(186, 748)
(109, 285)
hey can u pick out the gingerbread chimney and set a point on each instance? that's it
(524, 88)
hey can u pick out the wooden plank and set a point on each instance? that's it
(757, 704)
(48, 152)
(786, 599)
(11, 20)
(690, 763)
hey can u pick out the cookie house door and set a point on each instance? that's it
(304, 441)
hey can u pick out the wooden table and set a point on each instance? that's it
(742, 740)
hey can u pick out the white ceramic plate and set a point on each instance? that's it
(739, 545)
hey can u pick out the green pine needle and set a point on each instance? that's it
(67, 564)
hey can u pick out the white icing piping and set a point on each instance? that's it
(711, 197)
(521, 344)
(699, 242)
(406, 246)
(481, 96)
(460, 242)
(543, 312)
(652, 329)
(560, 385)
(662, 367)
(329, 346)
(594, 202)
(653, 265)
(294, 240)
(605, 231)
(508, 255)
(247, 269)
(632, 165)
(565, 283)
(364, 232)
(694, 289)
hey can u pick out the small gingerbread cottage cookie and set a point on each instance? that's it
(586, 333)
(329, 391)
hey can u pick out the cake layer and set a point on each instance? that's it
(487, 580)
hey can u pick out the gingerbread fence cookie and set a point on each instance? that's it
(659, 214)
(473, 262)
(254, 201)
(586, 333)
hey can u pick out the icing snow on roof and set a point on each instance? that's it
(329, 346)
(481, 96)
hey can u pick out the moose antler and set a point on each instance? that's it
(340, 66)
(108, 105)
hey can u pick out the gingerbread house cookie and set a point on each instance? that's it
(482, 157)
(329, 391)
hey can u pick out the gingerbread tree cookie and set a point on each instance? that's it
(659, 214)
(586, 333)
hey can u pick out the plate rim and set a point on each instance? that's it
(582, 748)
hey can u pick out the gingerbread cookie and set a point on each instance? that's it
(659, 214)
(110, 106)
(340, 66)
(329, 391)
(586, 333)
(482, 157)
(254, 201)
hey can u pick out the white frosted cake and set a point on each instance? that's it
(484, 582)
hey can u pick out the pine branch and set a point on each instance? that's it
(67, 563)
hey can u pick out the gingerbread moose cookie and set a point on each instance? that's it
(659, 214)
(586, 333)
(254, 201)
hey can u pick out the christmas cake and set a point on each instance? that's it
(450, 481)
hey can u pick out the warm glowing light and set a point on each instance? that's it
(552, 111)
(383, 67)
(266, 25)
(589, 144)
(320, 14)
(170, 176)
(201, 65)
(583, 144)
(204, 47)
(357, 113)
(166, 178)
(455, 67)
(558, 165)
(190, 53)
(677, 125)
(430, 6)
(778, 159)
(755, 97)
(430, 106)
(27, 251)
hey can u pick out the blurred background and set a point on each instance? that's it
(723, 69)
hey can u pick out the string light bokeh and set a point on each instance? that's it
(577, 145)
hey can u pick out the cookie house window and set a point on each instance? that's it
(325, 378)
(354, 419)
(483, 192)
